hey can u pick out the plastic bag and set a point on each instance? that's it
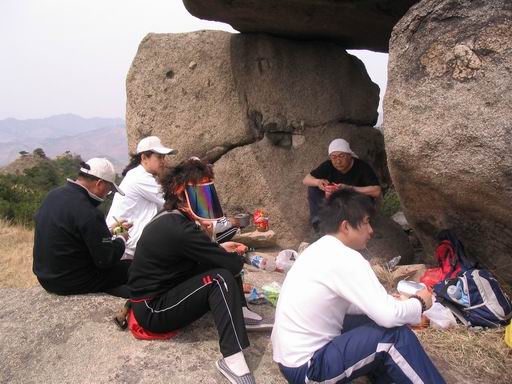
(285, 259)
(271, 292)
(440, 317)
(255, 297)
(508, 335)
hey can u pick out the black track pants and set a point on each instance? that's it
(215, 290)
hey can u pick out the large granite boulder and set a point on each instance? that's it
(448, 130)
(354, 24)
(262, 108)
(210, 91)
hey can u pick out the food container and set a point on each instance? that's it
(242, 220)
(408, 287)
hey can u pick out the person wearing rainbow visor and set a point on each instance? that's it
(179, 273)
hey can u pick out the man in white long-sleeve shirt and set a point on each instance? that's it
(335, 321)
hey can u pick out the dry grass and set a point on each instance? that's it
(477, 356)
(16, 256)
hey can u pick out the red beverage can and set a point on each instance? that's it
(262, 224)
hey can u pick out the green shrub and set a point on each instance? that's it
(390, 203)
(21, 195)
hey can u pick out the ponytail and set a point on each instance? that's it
(135, 160)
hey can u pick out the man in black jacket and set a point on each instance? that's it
(74, 250)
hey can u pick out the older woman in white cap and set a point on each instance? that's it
(343, 169)
(143, 197)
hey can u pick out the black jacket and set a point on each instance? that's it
(72, 242)
(171, 249)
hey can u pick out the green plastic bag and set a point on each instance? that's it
(271, 292)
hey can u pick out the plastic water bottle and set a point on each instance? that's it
(454, 292)
(270, 265)
(260, 262)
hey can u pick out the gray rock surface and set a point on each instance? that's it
(352, 23)
(50, 339)
(210, 91)
(389, 240)
(256, 239)
(448, 109)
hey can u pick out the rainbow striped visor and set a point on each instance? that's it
(203, 201)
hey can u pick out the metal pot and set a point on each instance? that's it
(242, 220)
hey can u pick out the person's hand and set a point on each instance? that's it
(207, 226)
(125, 235)
(126, 224)
(120, 230)
(233, 246)
(400, 296)
(322, 183)
(426, 295)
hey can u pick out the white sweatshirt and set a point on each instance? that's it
(328, 281)
(143, 199)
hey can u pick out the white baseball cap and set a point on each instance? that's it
(153, 144)
(341, 145)
(102, 169)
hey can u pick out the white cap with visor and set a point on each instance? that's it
(102, 169)
(153, 144)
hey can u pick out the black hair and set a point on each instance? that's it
(87, 176)
(345, 204)
(84, 175)
(135, 160)
(188, 171)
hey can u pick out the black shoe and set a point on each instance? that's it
(258, 326)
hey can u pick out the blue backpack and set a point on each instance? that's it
(476, 299)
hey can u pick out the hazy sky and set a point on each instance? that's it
(72, 56)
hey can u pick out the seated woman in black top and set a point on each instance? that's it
(179, 273)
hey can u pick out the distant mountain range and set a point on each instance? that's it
(87, 137)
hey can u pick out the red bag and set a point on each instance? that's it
(140, 333)
(449, 265)
(432, 276)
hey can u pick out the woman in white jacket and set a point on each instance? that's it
(143, 196)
